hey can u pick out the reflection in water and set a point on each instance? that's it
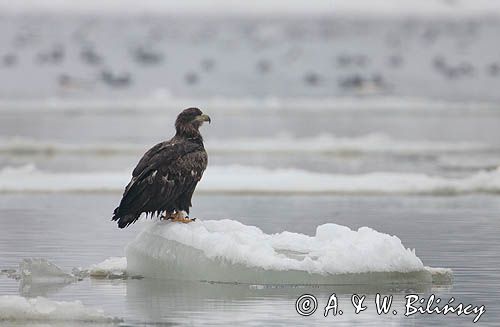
(199, 302)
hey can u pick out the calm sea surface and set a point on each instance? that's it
(460, 233)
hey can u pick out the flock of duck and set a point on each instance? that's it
(355, 69)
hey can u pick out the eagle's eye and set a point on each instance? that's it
(192, 117)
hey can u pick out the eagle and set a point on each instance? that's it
(165, 178)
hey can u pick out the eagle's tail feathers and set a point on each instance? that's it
(124, 220)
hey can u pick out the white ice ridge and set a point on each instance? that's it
(279, 144)
(19, 309)
(246, 179)
(331, 144)
(229, 251)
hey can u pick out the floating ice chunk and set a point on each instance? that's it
(114, 267)
(17, 308)
(43, 272)
(279, 144)
(39, 277)
(228, 251)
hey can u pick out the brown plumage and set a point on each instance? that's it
(166, 176)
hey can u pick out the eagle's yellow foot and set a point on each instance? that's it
(179, 217)
(183, 220)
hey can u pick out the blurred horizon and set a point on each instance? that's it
(444, 49)
(396, 8)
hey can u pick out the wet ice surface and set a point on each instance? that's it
(463, 239)
(229, 251)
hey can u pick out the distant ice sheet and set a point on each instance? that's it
(331, 144)
(29, 179)
(261, 180)
(246, 179)
(229, 251)
(280, 144)
(19, 309)
(257, 105)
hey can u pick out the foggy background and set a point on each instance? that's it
(264, 49)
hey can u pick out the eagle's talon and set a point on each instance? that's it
(182, 220)
(191, 219)
(164, 217)
(178, 216)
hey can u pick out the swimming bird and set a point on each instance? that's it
(165, 178)
(116, 80)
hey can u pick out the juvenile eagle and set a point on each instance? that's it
(166, 176)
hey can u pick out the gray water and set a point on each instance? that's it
(74, 229)
(460, 233)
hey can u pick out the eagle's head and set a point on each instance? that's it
(189, 121)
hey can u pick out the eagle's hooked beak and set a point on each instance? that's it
(202, 118)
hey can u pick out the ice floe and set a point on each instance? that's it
(19, 309)
(42, 271)
(39, 277)
(229, 251)
(112, 268)
(223, 104)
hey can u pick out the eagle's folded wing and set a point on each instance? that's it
(158, 180)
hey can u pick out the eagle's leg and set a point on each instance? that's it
(181, 217)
